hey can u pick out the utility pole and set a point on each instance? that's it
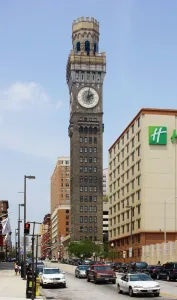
(19, 221)
(37, 236)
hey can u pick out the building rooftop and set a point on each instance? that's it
(146, 111)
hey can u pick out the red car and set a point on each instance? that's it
(101, 273)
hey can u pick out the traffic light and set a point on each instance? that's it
(27, 228)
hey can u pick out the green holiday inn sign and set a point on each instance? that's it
(158, 135)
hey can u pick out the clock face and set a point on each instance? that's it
(88, 97)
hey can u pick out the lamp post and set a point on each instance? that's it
(165, 217)
(112, 246)
(25, 177)
(19, 221)
(131, 228)
(16, 248)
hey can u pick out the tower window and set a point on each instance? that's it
(87, 76)
(78, 46)
(93, 77)
(82, 76)
(85, 129)
(90, 130)
(81, 129)
(87, 47)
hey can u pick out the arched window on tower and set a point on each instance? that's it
(87, 47)
(81, 129)
(95, 130)
(78, 46)
(85, 129)
(95, 48)
(90, 130)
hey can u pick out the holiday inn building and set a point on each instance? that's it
(143, 183)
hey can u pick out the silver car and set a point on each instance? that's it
(81, 271)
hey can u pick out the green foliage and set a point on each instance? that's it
(82, 249)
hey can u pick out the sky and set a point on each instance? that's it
(139, 38)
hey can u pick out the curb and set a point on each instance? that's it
(42, 293)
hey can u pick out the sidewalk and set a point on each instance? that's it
(12, 287)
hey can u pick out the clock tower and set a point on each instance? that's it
(85, 72)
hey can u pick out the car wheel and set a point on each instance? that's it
(131, 292)
(114, 281)
(88, 279)
(168, 277)
(157, 294)
(95, 281)
(158, 276)
(64, 285)
(118, 289)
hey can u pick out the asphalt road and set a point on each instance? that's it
(80, 289)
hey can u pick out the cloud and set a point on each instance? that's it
(59, 104)
(23, 95)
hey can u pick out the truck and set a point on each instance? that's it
(101, 273)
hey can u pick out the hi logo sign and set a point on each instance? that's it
(158, 135)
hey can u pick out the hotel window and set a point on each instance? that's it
(86, 189)
(138, 151)
(127, 135)
(123, 217)
(133, 127)
(122, 189)
(138, 165)
(81, 198)
(139, 224)
(118, 219)
(95, 209)
(133, 198)
(139, 209)
(85, 219)
(95, 149)
(95, 169)
(118, 170)
(122, 166)
(133, 156)
(118, 145)
(90, 169)
(128, 212)
(123, 140)
(90, 140)
(85, 139)
(110, 154)
(81, 219)
(138, 180)
(85, 199)
(95, 140)
(90, 149)
(95, 219)
(95, 189)
(122, 153)
(85, 178)
(128, 201)
(94, 159)
(90, 198)
(127, 227)
(127, 174)
(85, 169)
(90, 189)
(118, 157)
(138, 122)
(90, 179)
(138, 136)
(122, 178)
(81, 178)
(133, 169)
(81, 208)
(81, 159)
(133, 142)
(127, 188)
(90, 159)
(138, 195)
(81, 139)
(81, 188)
(133, 184)
(90, 208)
(95, 198)
(90, 219)
(81, 169)
(127, 148)
(81, 149)
(85, 149)
(86, 208)
(123, 204)
(127, 161)
(85, 159)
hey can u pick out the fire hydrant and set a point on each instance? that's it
(37, 286)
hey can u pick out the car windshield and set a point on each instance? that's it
(84, 267)
(102, 268)
(141, 265)
(140, 277)
(52, 271)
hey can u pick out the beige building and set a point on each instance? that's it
(142, 183)
(60, 204)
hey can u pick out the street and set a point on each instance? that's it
(80, 289)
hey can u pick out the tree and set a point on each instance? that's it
(84, 248)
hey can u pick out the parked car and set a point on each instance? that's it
(152, 270)
(53, 276)
(168, 271)
(101, 273)
(139, 283)
(81, 271)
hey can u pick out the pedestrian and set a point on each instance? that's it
(19, 269)
(159, 264)
(16, 269)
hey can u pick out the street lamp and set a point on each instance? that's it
(25, 177)
(19, 221)
(165, 217)
(112, 246)
(131, 228)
